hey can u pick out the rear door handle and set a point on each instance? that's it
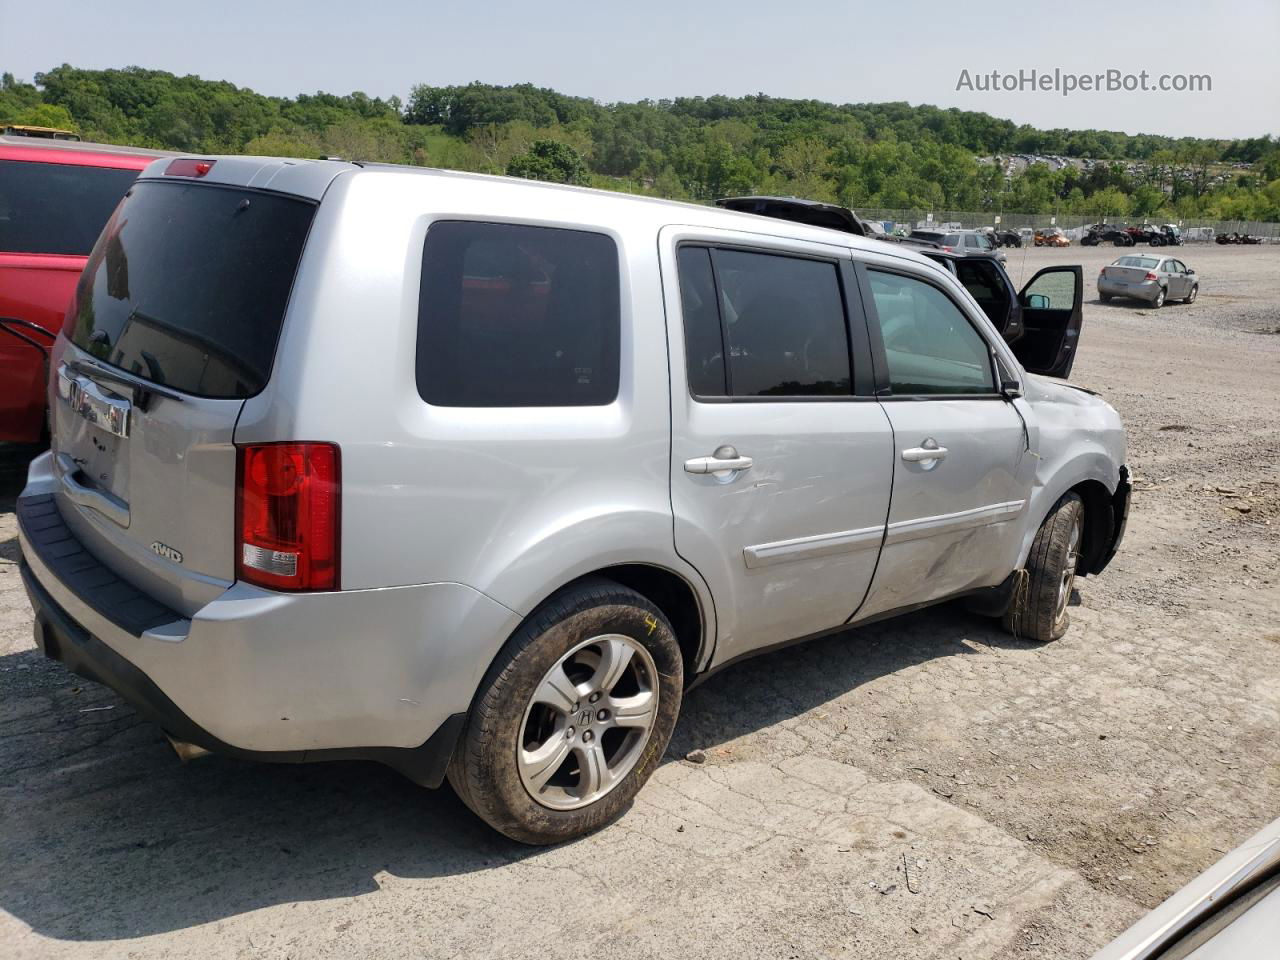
(723, 463)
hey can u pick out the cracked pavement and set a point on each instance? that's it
(924, 787)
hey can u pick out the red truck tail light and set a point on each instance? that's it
(287, 514)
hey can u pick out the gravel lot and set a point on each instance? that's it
(926, 787)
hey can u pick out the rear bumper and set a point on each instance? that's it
(1146, 290)
(62, 639)
(380, 674)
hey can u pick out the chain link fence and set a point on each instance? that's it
(1193, 230)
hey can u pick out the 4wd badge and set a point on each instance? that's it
(166, 551)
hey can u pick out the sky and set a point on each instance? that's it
(850, 52)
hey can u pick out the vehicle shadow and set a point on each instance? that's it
(104, 835)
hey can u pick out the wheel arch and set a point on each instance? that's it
(1099, 522)
(684, 600)
(1094, 477)
(675, 596)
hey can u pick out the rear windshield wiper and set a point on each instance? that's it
(143, 389)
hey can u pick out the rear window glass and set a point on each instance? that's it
(517, 316)
(188, 285)
(1146, 263)
(56, 207)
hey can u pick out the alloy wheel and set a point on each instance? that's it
(587, 722)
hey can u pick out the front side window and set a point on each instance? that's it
(518, 316)
(930, 346)
(779, 321)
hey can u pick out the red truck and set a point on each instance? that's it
(55, 198)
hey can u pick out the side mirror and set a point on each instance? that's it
(1190, 271)
(1038, 301)
(1010, 389)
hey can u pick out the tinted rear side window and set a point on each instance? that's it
(187, 286)
(56, 207)
(780, 323)
(703, 343)
(517, 316)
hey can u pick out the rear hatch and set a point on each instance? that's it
(174, 324)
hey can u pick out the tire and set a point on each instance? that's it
(1038, 610)
(568, 644)
(1118, 242)
(1191, 296)
(1158, 302)
(1104, 297)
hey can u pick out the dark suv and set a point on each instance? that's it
(966, 241)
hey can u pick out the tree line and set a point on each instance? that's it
(697, 148)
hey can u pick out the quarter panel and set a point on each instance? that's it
(511, 501)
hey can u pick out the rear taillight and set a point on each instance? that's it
(287, 511)
(186, 167)
(1150, 276)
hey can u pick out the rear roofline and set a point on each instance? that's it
(308, 179)
(311, 178)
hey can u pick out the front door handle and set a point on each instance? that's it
(927, 454)
(723, 464)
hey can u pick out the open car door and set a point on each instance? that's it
(1052, 312)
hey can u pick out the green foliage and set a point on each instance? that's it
(549, 160)
(698, 148)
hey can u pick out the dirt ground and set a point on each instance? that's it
(926, 787)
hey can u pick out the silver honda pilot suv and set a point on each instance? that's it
(476, 476)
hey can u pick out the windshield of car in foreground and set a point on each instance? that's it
(188, 284)
(1146, 263)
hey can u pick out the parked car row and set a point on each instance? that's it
(1162, 235)
(1241, 238)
